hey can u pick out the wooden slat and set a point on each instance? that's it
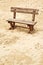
(22, 21)
(24, 10)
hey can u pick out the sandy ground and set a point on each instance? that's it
(18, 47)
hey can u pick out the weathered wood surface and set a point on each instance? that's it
(23, 10)
(22, 21)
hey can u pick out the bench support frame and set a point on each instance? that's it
(23, 10)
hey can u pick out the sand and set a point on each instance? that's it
(18, 47)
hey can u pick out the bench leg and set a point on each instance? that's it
(31, 27)
(12, 24)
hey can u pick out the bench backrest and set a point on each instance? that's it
(25, 10)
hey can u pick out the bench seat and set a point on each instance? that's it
(22, 21)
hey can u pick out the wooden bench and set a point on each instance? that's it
(26, 11)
